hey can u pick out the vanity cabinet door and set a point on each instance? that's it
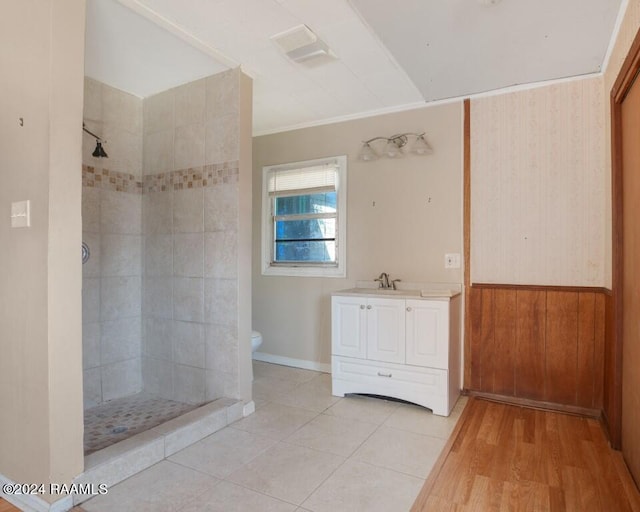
(428, 333)
(386, 330)
(349, 326)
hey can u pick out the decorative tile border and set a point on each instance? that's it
(110, 180)
(184, 179)
(192, 178)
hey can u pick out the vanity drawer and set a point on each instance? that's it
(428, 380)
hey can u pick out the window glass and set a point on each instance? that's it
(310, 203)
(304, 216)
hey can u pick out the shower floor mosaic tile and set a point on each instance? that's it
(119, 419)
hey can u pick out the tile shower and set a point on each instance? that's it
(160, 290)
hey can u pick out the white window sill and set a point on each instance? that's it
(304, 271)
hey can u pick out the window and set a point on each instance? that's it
(304, 218)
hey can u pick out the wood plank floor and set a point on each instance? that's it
(5, 506)
(503, 457)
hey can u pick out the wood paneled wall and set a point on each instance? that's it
(537, 343)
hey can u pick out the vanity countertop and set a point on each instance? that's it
(421, 294)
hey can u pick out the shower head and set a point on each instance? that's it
(99, 152)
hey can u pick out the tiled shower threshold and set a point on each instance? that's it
(121, 460)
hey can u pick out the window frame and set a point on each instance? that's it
(311, 269)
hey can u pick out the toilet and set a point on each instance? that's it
(256, 341)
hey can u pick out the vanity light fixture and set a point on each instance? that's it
(99, 152)
(394, 146)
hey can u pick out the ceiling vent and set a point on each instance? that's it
(302, 45)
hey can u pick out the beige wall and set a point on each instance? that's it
(628, 29)
(417, 218)
(537, 186)
(41, 58)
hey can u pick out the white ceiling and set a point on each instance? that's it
(459, 47)
(390, 55)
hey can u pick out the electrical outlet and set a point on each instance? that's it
(452, 260)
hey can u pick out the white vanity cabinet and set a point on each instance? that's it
(402, 347)
(369, 328)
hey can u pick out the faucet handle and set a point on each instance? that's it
(393, 283)
(379, 280)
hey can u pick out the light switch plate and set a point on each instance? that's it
(21, 214)
(452, 260)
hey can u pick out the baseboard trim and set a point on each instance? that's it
(535, 404)
(33, 502)
(290, 361)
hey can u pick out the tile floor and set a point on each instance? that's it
(122, 418)
(302, 450)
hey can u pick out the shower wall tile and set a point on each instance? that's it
(188, 384)
(188, 214)
(221, 207)
(159, 111)
(188, 255)
(112, 227)
(121, 340)
(214, 385)
(158, 213)
(158, 297)
(158, 251)
(90, 345)
(121, 379)
(120, 213)
(90, 210)
(121, 110)
(190, 103)
(92, 267)
(189, 146)
(158, 338)
(221, 301)
(188, 344)
(220, 384)
(124, 149)
(92, 100)
(188, 299)
(157, 377)
(222, 94)
(120, 297)
(121, 255)
(158, 151)
(90, 300)
(221, 345)
(221, 250)
(222, 139)
(92, 387)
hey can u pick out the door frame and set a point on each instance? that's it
(613, 372)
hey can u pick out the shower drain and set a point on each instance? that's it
(118, 430)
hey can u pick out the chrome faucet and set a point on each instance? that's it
(385, 284)
(383, 279)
